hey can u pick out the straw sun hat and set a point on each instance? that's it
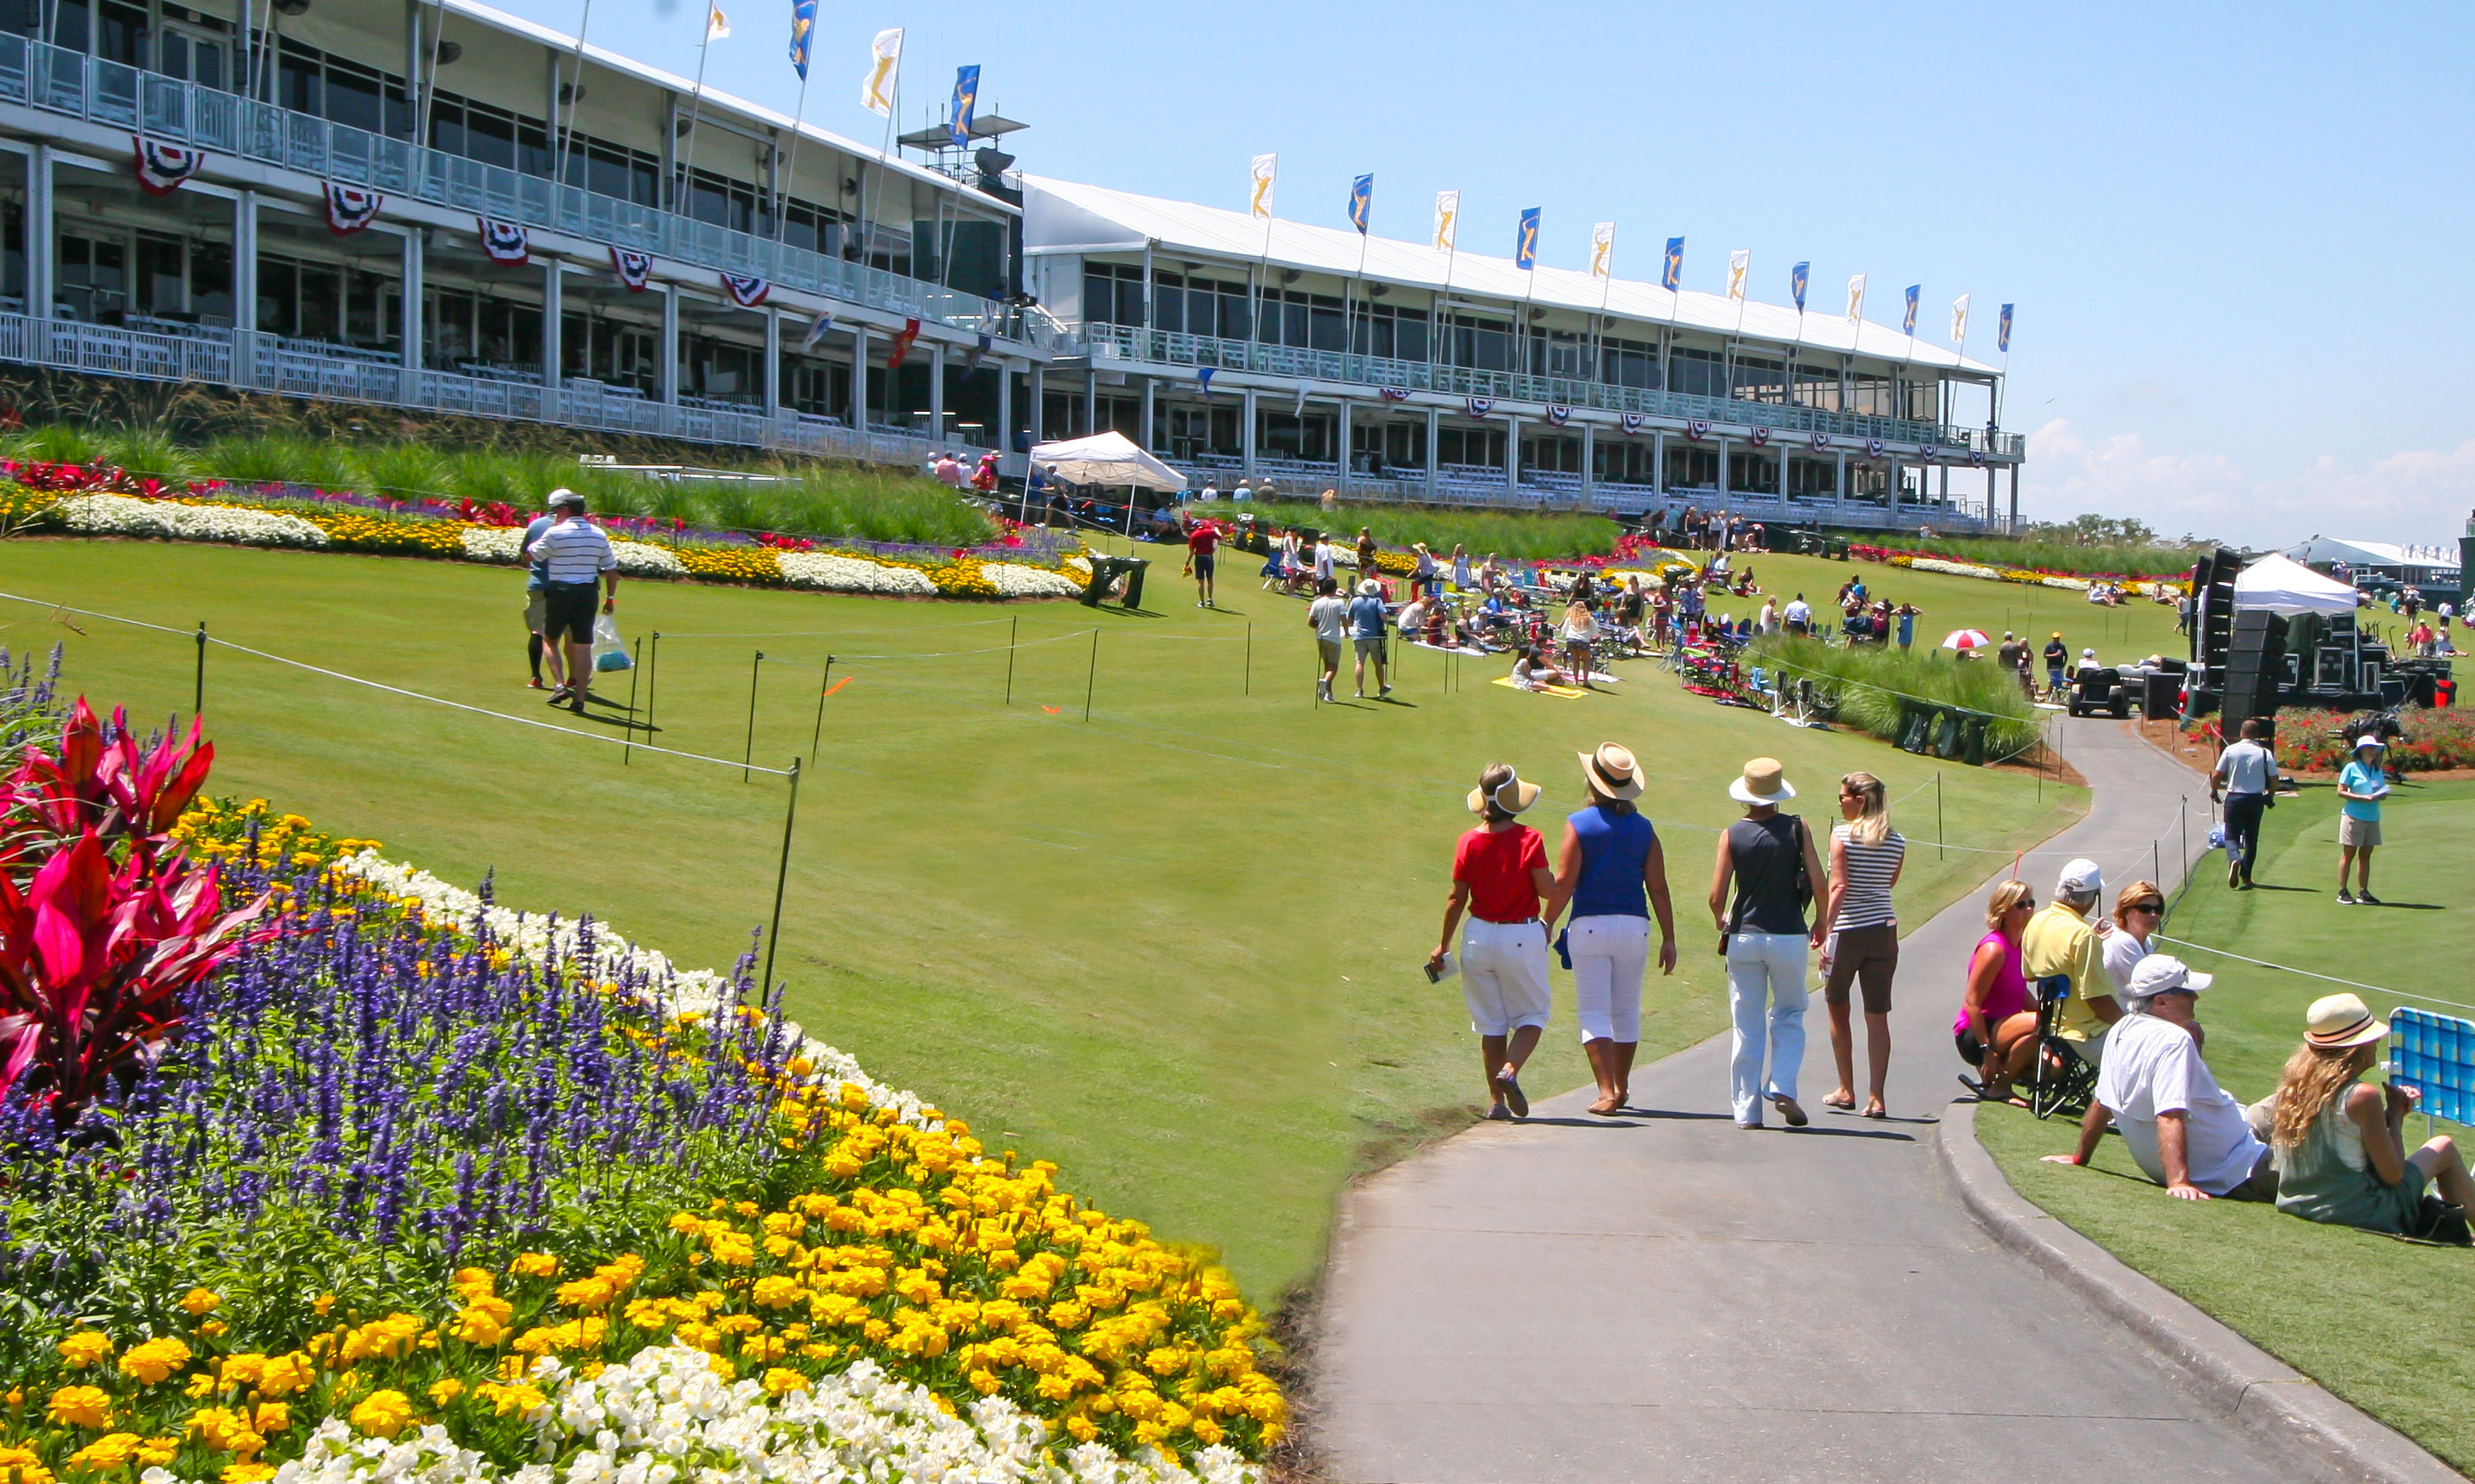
(1612, 772)
(2339, 1020)
(1513, 796)
(1761, 783)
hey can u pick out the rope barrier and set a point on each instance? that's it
(2396, 995)
(847, 633)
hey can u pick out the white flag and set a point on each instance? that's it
(1856, 300)
(817, 328)
(717, 26)
(1959, 321)
(1739, 264)
(1602, 250)
(885, 63)
(1258, 201)
(1448, 219)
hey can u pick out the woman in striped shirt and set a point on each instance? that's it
(1863, 932)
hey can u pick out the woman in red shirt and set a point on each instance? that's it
(1499, 871)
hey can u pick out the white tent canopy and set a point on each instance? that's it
(2278, 584)
(1106, 459)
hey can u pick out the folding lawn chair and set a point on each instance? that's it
(2061, 1079)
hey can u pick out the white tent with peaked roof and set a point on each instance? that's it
(2280, 584)
(1106, 459)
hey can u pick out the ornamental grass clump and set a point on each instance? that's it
(1871, 682)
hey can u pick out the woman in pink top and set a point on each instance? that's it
(1996, 1028)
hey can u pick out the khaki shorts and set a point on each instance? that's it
(536, 611)
(2361, 834)
(1328, 650)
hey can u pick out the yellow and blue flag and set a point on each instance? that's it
(1265, 170)
(1671, 277)
(1908, 324)
(803, 35)
(1361, 202)
(1525, 247)
(967, 97)
(2002, 332)
(1798, 278)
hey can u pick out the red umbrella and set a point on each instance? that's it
(1965, 639)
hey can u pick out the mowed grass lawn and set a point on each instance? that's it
(2384, 1323)
(1174, 949)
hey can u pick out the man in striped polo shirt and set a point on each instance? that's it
(577, 561)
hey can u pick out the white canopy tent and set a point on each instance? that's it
(2278, 584)
(1106, 459)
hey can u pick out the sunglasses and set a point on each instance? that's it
(2022, 905)
(2153, 909)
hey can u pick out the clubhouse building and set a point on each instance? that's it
(443, 206)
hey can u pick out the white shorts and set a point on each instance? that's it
(1504, 975)
(1610, 954)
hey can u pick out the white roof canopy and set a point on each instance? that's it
(1106, 459)
(2277, 584)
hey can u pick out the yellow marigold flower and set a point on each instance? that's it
(1207, 1431)
(200, 1302)
(483, 1322)
(775, 1292)
(383, 1414)
(472, 1280)
(1081, 1428)
(272, 1417)
(446, 1391)
(285, 1375)
(215, 1328)
(534, 1265)
(200, 1386)
(85, 1347)
(586, 1293)
(247, 1473)
(112, 1450)
(782, 1379)
(226, 1430)
(154, 1360)
(156, 1452)
(506, 1400)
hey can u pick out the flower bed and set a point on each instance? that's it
(2315, 742)
(2076, 582)
(424, 1185)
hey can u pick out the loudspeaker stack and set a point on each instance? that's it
(2255, 671)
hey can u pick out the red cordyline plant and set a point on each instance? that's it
(100, 781)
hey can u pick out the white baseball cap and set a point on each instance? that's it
(2080, 878)
(2162, 972)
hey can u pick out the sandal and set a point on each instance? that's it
(1845, 1105)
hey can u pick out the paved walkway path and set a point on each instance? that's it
(1664, 1296)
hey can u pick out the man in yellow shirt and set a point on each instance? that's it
(2061, 940)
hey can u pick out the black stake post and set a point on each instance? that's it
(825, 688)
(1014, 634)
(755, 667)
(1093, 677)
(653, 687)
(635, 672)
(198, 697)
(1250, 657)
(1939, 832)
(781, 879)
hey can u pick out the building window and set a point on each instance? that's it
(1813, 478)
(1624, 461)
(1476, 447)
(1553, 454)
(1628, 363)
(1757, 380)
(94, 277)
(1817, 386)
(1112, 293)
(121, 35)
(1752, 473)
(1482, 345)
(1695, 373)
(1690, 466)
(1392, 334)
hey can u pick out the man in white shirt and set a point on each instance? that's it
(1329, 616)
(2180, 1126)
(1323, 561)
(577, 562)
(1800, 616)
(2246, 778)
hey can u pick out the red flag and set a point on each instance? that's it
(902, 339)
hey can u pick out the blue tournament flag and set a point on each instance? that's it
(1361, 202)
(1672, 276)
(803, 35)
(2003, 333)
(967, 96)
(1797, 279)
(1908, 324)
(1525, 247)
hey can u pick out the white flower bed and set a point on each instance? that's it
(1014, 580)
(120, 514)
(850, 574)
(664, 1416)
(505, 544)
(1955, 569)
(494, 543)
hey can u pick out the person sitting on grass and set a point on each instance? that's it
(2340, 1157)
(1412, 617)
(1533, 670)
(2183, 1130)
(1996, 1028)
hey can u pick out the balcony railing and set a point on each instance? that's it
(1162, 346)
(167, 109)
(253, 361)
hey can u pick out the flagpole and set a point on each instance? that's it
(696, 117)
(575, 95)
(782, 189)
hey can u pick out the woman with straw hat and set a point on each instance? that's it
(1768, 857)
(1499, 873)
(2340, 1156)
(1612, 872)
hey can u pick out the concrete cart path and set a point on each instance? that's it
(1664, 1296)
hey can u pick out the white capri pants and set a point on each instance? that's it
(1504, 975)
(1610, 954)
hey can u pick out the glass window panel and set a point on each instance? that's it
(322, 303)
(352, 98)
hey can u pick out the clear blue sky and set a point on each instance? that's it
(2235, 234)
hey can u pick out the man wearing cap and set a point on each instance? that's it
(576, 563)
(2056, 652)
(1202, 549)
(1366, 620)
(2060, 941)
(537, 602)
(2181, 1127)
(1499, 874)
(2246, 773)
(2363, 785)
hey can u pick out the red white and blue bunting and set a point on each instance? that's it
(505, 243)
(1635, 422)
(162, 167)
(1976, 458)
(1927, 452)
(1558, 414)
(350, 209)
(745, 292)
(1760, 437)
(1697, 428)
(634, 269)
(1394, 393)
(1821, 442)
(1480, 406)
(1875, 448)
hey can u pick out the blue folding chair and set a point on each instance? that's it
(2435, 1054)
(2062, 1077)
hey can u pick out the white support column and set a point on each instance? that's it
(670, 367)
(1246, 433)
(1151, 410)
(1658, 461)
(42, 241)
(1342, 482)
(773, 363)
(2015, 497)
(244, 260)
(553, 310)
(1589, 464)
(1091, 403)
(1004, 429)
(1512, 458)
(1037, 420)
(1946, 484)
(1891, 509)
(859, 378)
(1988, 497)
(1839, 490)
(937, 392)
(1435, 453)
(410, 329)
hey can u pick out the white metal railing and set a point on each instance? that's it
(251, 361)
(1125, 341)
(60, 81)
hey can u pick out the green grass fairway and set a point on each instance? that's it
(2381, 1323)
(1173, 949)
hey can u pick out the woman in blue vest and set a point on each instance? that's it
(1614, 874)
